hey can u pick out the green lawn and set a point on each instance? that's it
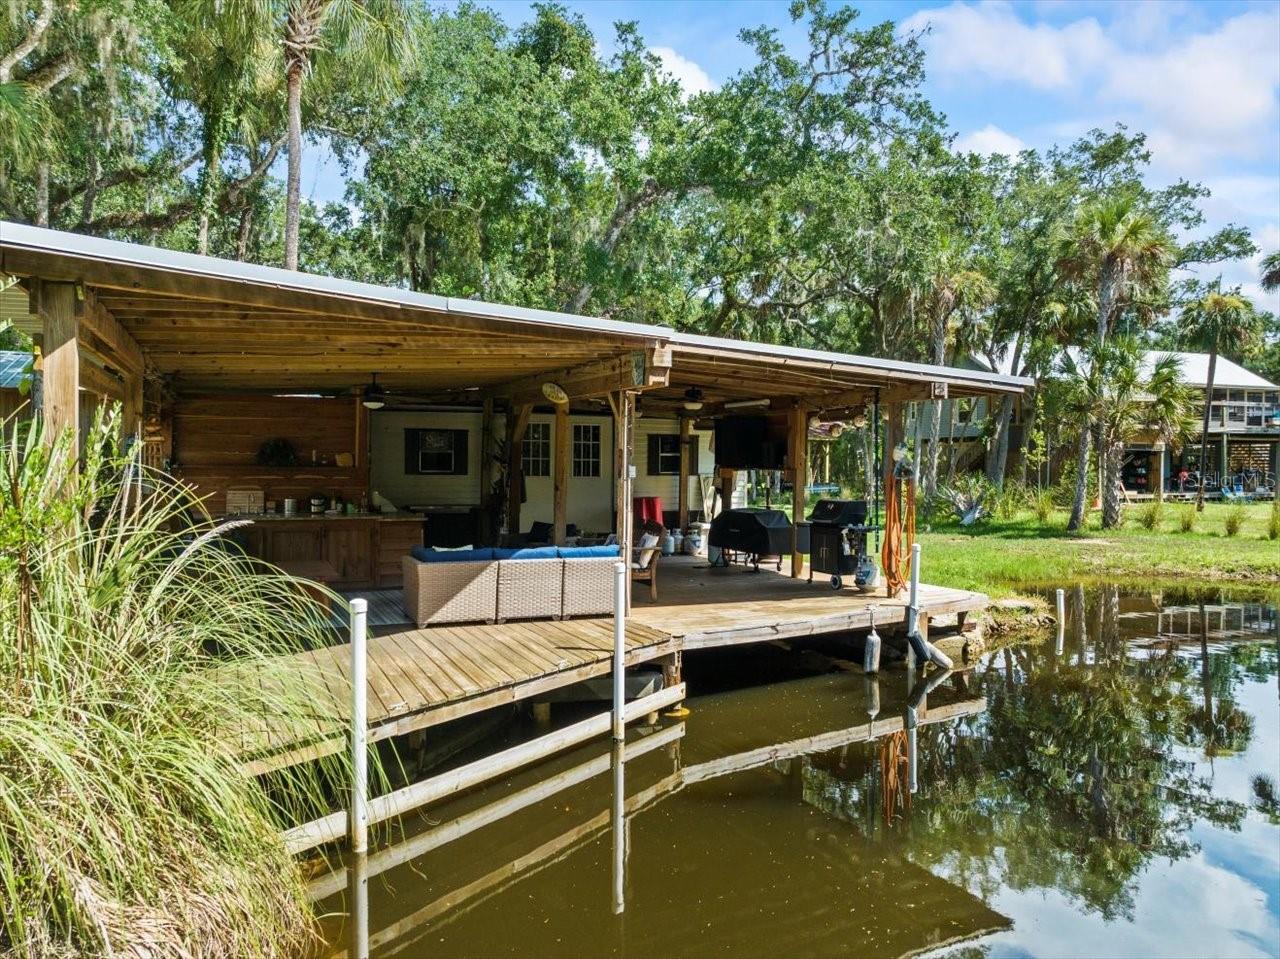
(999, 556)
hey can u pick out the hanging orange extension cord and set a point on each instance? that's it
(895, 555)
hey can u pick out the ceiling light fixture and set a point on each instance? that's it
(693, 399)
(373, 396)
(744, 404)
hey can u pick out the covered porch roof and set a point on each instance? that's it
(208, 324)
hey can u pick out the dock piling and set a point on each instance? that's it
(359, 825)
(919, 649)
(619, 649)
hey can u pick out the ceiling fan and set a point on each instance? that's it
(375, 396)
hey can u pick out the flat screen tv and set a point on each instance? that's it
(748, 443)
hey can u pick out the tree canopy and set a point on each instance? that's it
(813, 198)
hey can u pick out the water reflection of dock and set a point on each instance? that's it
(955, 911)
(1220, 620)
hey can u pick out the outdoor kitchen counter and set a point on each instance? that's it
(364, 548)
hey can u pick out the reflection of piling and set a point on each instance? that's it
(358, 897)
(618, 821)
(1061, 599)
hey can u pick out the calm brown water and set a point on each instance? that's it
(1114, 798)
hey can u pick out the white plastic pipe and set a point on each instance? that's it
(619, 649)
(359, 726)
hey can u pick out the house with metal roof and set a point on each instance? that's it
(1243, 449)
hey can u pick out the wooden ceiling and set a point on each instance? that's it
(210, 346)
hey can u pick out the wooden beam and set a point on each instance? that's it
(99, 323)
(687, 440)
(561, 457)
(637, 370)
(97, 380)
(60, 344)
(798, 457)
(517, 423)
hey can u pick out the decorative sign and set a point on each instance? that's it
(937, 391)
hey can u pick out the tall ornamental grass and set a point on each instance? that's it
(133, 641)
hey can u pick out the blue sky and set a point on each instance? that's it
(1201, 79)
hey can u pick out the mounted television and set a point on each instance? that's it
(748, 443)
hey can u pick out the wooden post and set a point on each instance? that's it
(61, 349)
(563, 454)
(517, 423)
(686, 458)
(798, 436)
(892, 433)
(131, 407)
(486, 471)
(728, 479)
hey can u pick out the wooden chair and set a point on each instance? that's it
(644, 559)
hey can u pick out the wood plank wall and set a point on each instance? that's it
(216, 441)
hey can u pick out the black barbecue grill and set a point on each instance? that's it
(838, 538)
(756, 533)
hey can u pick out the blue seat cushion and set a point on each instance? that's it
(589, 552)
(427, 555)
(527, 552)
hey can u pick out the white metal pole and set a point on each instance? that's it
(359, 727)
(913, 608)
(619, 648)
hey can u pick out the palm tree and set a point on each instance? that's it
(228, 55)
(1124, 250)
(953, 288)
(1215, 322)
(1113, 389)
(370, 35)
(1122, 247)
(1271, 272)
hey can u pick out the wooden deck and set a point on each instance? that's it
(421, 677)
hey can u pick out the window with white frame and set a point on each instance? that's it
(586, 449)
(535, 455)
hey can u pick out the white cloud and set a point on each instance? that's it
(990, 139)
(691, 77)
(991, 41)
(1214, 91)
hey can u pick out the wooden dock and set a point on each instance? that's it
(421, 677)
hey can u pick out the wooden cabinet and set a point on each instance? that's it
(396, 538)
(349, 548)
(293, 541)
(365, 551)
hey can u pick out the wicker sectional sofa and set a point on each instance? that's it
(488, 585)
